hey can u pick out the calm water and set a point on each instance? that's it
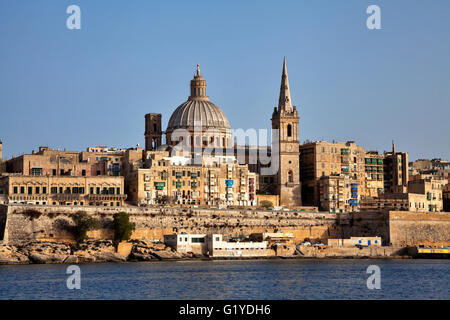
(285, 279)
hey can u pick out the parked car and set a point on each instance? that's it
(306, 243)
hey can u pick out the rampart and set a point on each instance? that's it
(25, 223)
(414, 229)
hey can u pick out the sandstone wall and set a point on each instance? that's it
(413, 229)
(53, 223)
(317, 252)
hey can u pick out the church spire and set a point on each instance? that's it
(284, 103)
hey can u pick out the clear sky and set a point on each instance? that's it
(78, 88)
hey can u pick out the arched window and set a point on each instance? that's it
(289, 130)
(290, 176)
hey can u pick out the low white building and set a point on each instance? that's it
(355, 241)
(214, 246)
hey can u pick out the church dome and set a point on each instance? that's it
(198, 110)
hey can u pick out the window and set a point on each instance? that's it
(30, 190)
(15, 189)
(289, 130)
(44, 190)
(91, 190)
(54, 172)
(83, 172)
(290, 176)
(118, 190)
(38, 190)
(54, 190)
(36, 171)
(198, 240)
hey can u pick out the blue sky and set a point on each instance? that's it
(77, 88)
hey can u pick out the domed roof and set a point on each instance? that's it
(198, 111)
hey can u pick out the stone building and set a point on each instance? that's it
(338, 193)
(374, 168)
(63, 190)
(108, 159)
(374, 173)
(49, 162)
(322, 158)
(178, 180)
(396, 174)
(432, 188)
(437, 167)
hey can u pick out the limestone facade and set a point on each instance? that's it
(63, 190)
(339, 193)
(322, 158)
(176, 180)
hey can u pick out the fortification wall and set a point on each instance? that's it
(414, 229)
(53, 223)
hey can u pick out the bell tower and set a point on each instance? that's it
(285, 119)
(153, 132)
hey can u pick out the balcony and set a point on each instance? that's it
(106, 197)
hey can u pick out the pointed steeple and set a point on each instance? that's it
(284, 102)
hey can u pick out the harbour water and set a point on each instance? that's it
(258, 279)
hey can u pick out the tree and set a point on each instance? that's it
(266, 204)
(83, 224)
(122, 226)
